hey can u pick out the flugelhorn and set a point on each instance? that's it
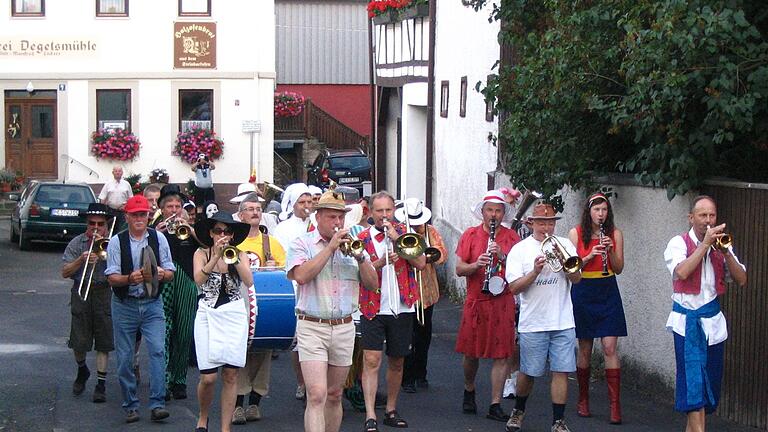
(557, 257)
(231, 255)
(350, 246)
(723, 243)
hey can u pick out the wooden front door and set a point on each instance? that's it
(30, 137)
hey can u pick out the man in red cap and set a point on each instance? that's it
(138, 261)
(547, 329)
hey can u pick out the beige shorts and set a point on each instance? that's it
(324, 342)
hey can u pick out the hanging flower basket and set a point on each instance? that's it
(196, 141)
(288, 104)
(115, 144)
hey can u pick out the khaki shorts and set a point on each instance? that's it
(324, 342)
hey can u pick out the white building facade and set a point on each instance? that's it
(70, 68)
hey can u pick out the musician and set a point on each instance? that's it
(597, 307)
(180, 295)
(152, 193)
(270, 221)
(699, 276)
(253, 379)
(297, 205)
(328, 291)
(487, 327)
(380, 322)
(91, 319)
(137, 306)
(415, 367)
(546, 328)
(316, 193)
(221, 322)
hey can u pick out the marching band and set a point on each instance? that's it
(339, 288)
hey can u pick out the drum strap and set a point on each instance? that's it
(265, 248)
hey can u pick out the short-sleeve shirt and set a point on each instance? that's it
(113, 258)
(334, 292)
(203, 178)
(116, 193)
(252, 246)
(546, 304)
(76, 247)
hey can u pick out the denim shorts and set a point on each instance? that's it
(557, 345)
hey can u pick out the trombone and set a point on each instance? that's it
(394, 293)
(100, 248)
(408, 246)
(557, 257)
(432, 254)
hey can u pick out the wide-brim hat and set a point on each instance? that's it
(543, 211)
(331, 200)
(172, 189)
(97, 209)
(243, 190)
(418, 213)
(203, 228)
(495, 197)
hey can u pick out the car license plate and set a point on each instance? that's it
(349, 180)
(65, 212)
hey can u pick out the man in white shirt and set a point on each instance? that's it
(115, 194)
(700, 261)
(546, 327)
(297, 205)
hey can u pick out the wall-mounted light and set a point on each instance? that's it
(30, 87)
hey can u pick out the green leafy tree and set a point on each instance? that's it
(673, 91)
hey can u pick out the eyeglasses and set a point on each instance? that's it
(252, 209)
(98, 224)
(224, 231)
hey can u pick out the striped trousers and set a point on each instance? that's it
(180, 304)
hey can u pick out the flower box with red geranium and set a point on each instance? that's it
(196, 141)
(116, 144)
(389, 11)
(288, 104)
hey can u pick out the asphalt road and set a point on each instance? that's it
(37, 370)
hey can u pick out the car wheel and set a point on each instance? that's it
(14, 236)
(24, 243)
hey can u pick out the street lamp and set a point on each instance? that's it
(30, 87)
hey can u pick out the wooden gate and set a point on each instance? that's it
(744, 208)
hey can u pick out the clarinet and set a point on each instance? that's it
(489, 266)
(604, 254)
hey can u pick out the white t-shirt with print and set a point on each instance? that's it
(546, 304)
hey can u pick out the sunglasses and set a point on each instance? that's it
(98, 224)
(220, 231)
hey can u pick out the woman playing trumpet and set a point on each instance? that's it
(597, 306)
(221, 323)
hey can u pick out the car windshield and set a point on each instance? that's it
(64, 194)
(351, 163)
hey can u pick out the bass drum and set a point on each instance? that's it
(272, 311)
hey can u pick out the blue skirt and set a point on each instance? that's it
(714, 373)
(597, 308)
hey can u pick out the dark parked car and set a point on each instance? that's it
(345, 167)
(49, 211)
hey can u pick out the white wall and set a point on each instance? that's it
(414, 158)
(463, 154)
(138, 52)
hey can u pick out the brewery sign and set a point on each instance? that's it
(194, 45)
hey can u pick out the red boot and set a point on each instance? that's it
(613, 377)
(582, 376)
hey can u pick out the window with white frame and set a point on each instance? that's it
(195, 109)
(113, 109)
(194, 7)
(22, 8)
(112, 8)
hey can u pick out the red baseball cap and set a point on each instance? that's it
(137, 203)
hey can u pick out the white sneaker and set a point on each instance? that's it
(301, 392)
(515, 422)
(560, 426)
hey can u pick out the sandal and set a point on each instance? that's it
(392, 419)
(371, 426)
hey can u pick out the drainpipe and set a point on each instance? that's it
(374, 142)
(431, 104)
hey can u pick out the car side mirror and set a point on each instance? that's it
(13, 197)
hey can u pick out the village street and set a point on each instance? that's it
(37, 372)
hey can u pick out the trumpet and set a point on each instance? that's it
(176, 226)
(351, 246)
(557, 257)
(723, 243)
(231, 255)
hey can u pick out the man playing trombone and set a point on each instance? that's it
(541, 269)
(90, 300)
(388, 312)
(487, 328)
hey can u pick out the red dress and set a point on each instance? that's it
(487, 327)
